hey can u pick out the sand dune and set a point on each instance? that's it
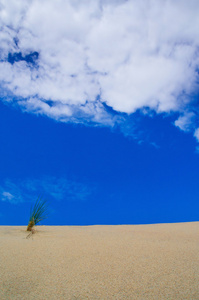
(100, 262)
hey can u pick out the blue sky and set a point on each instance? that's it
(99, 111)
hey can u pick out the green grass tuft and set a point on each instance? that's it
(37, 213)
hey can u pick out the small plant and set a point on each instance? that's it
(37, 214)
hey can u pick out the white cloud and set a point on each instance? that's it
(196, 134)
(47, 187)
(134, 54)
(10, 192)
(6, 196)
(185, 122)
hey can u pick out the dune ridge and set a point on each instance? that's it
(159, 261)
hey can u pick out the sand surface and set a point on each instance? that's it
(100, 262)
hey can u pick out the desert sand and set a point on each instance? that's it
(100, 262)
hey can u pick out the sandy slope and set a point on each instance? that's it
(100, 262)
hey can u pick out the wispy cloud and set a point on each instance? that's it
(68, 59)
(196, 134)
(10, 192)
(49, 187)
(186, 121)
(6, 196)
